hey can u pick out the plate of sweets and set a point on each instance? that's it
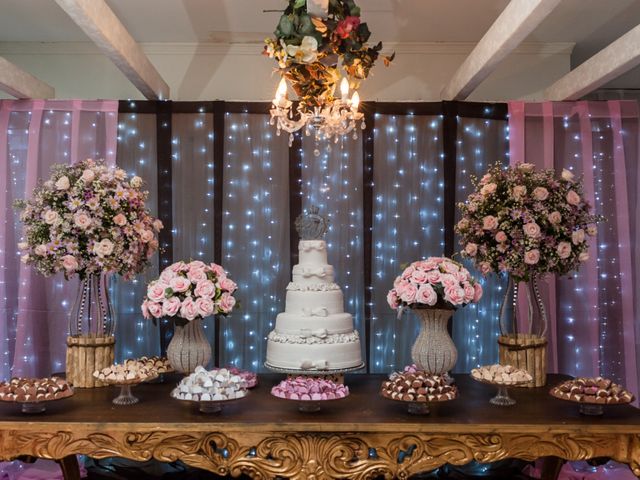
(310, 393)
(210, 390)
(417, 389)
(159, 365)
(503, 377)
(249, 377)
(32, 394)
(125, 375)
(592, 394)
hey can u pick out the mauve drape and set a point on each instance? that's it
(593, 328)
(34, 135)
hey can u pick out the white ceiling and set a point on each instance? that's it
(590, 24)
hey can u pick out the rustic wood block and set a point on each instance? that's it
(525, 351)
(85, 354)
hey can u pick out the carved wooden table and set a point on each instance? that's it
(363, 436)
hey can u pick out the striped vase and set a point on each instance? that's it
(434, 350)
(189, 347)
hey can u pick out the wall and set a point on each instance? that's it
(239, 72)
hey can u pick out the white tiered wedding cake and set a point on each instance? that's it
(313, 333)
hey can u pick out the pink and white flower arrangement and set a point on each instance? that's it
(526, 222)
(437, 282)
(187, 291)
(88, 219)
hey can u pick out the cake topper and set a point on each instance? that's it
(311, 225)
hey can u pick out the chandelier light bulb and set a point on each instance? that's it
(344, 88)
(355, 101)
(281, 92)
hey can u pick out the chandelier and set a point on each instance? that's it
(316, 44)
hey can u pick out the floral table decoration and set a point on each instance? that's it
(526, 223)
(89, 220)
(188, 293)
(434, 288)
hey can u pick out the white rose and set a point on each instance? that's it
(63, 183)
(41, 250)
(51, 217)
(88, 176)
(103, 248)
(136, 182)
(526, 167)
(82, 220)
(146, 236)
(577, 236)
(567, 175)
(23, 245)
(25, 258)
(583, 257)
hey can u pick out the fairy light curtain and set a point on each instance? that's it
(34, 135)
(594, 325)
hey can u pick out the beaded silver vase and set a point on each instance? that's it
(434, 350)
(189, 347)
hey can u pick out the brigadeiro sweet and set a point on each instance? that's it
(309, 389)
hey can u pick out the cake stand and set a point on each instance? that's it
(589, 408)
(418, 408)
(125, 397)
(39, 406)
(502, 398)
(309, 406)
(211, 406)
(338, 372)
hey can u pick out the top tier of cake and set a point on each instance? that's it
(312, 253)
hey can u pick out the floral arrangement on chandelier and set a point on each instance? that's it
(186, 291)
(309, 49)
(526, 222)
(88, 219)
(437, 282)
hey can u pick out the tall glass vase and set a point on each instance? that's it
(189, 347)
(92, 323)
(434, 350)
(523, 341)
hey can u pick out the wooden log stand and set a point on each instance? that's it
(526, 351)
(86, 354)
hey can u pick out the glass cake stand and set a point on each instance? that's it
(502, 398)
(588, 408)
(210, 406)
(126, 397)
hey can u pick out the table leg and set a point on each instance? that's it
(70, 468)
(551, 467)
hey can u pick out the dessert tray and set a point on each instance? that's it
(33, 394)
(125, 376)
(309, 393)
(592, 394)
(417, 389)
(503, 377)
(211, 390)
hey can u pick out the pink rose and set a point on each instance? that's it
(477, 289)
(50, 217)
(346, 26)
(469, 292)
(454, 295)
(171, 306)
(419, 276)
(502, 247)
(196, 276)
(178, 267)
(82, 220)
(146, 236)
(555, 217)
(450, 267)
(488, 189)
(197, 265)
(88, 176)
(485, 268)
(531, 257)
(401, 287)
(205, 288)
(531, 229)
(226, 303)
(157, 225)
(120, 220)
(166, 275)
(426, 295)
(519, 191)
(155, 309)
(461, 276)
(69, 263)
(218, 270)
(205, 306)
(577, 237)
(40, 250)
(188, 309)
(501, 236)
(540, 193)
(434, 276)
(485, 178)
(567, 175)
(564, 250)
(144, 308)
(583, 257)
(573, 198)
(406, 274)
(463, 224)
(448, 280)
(156, 291)
(228, 285)
(179, 284)
(398, 281)
(392, 299)
(409, 293)
(471, 249)
(472, 207)
(489, 223)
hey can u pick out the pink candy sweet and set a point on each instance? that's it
(249, 377)
(309, 389)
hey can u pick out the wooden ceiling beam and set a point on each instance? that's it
(609, 63)
(100, 24)
(20, 84)
(513, 25)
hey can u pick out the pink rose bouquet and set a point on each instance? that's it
(436, 282)
(526, 222)
(88, 219)
(187, 291)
